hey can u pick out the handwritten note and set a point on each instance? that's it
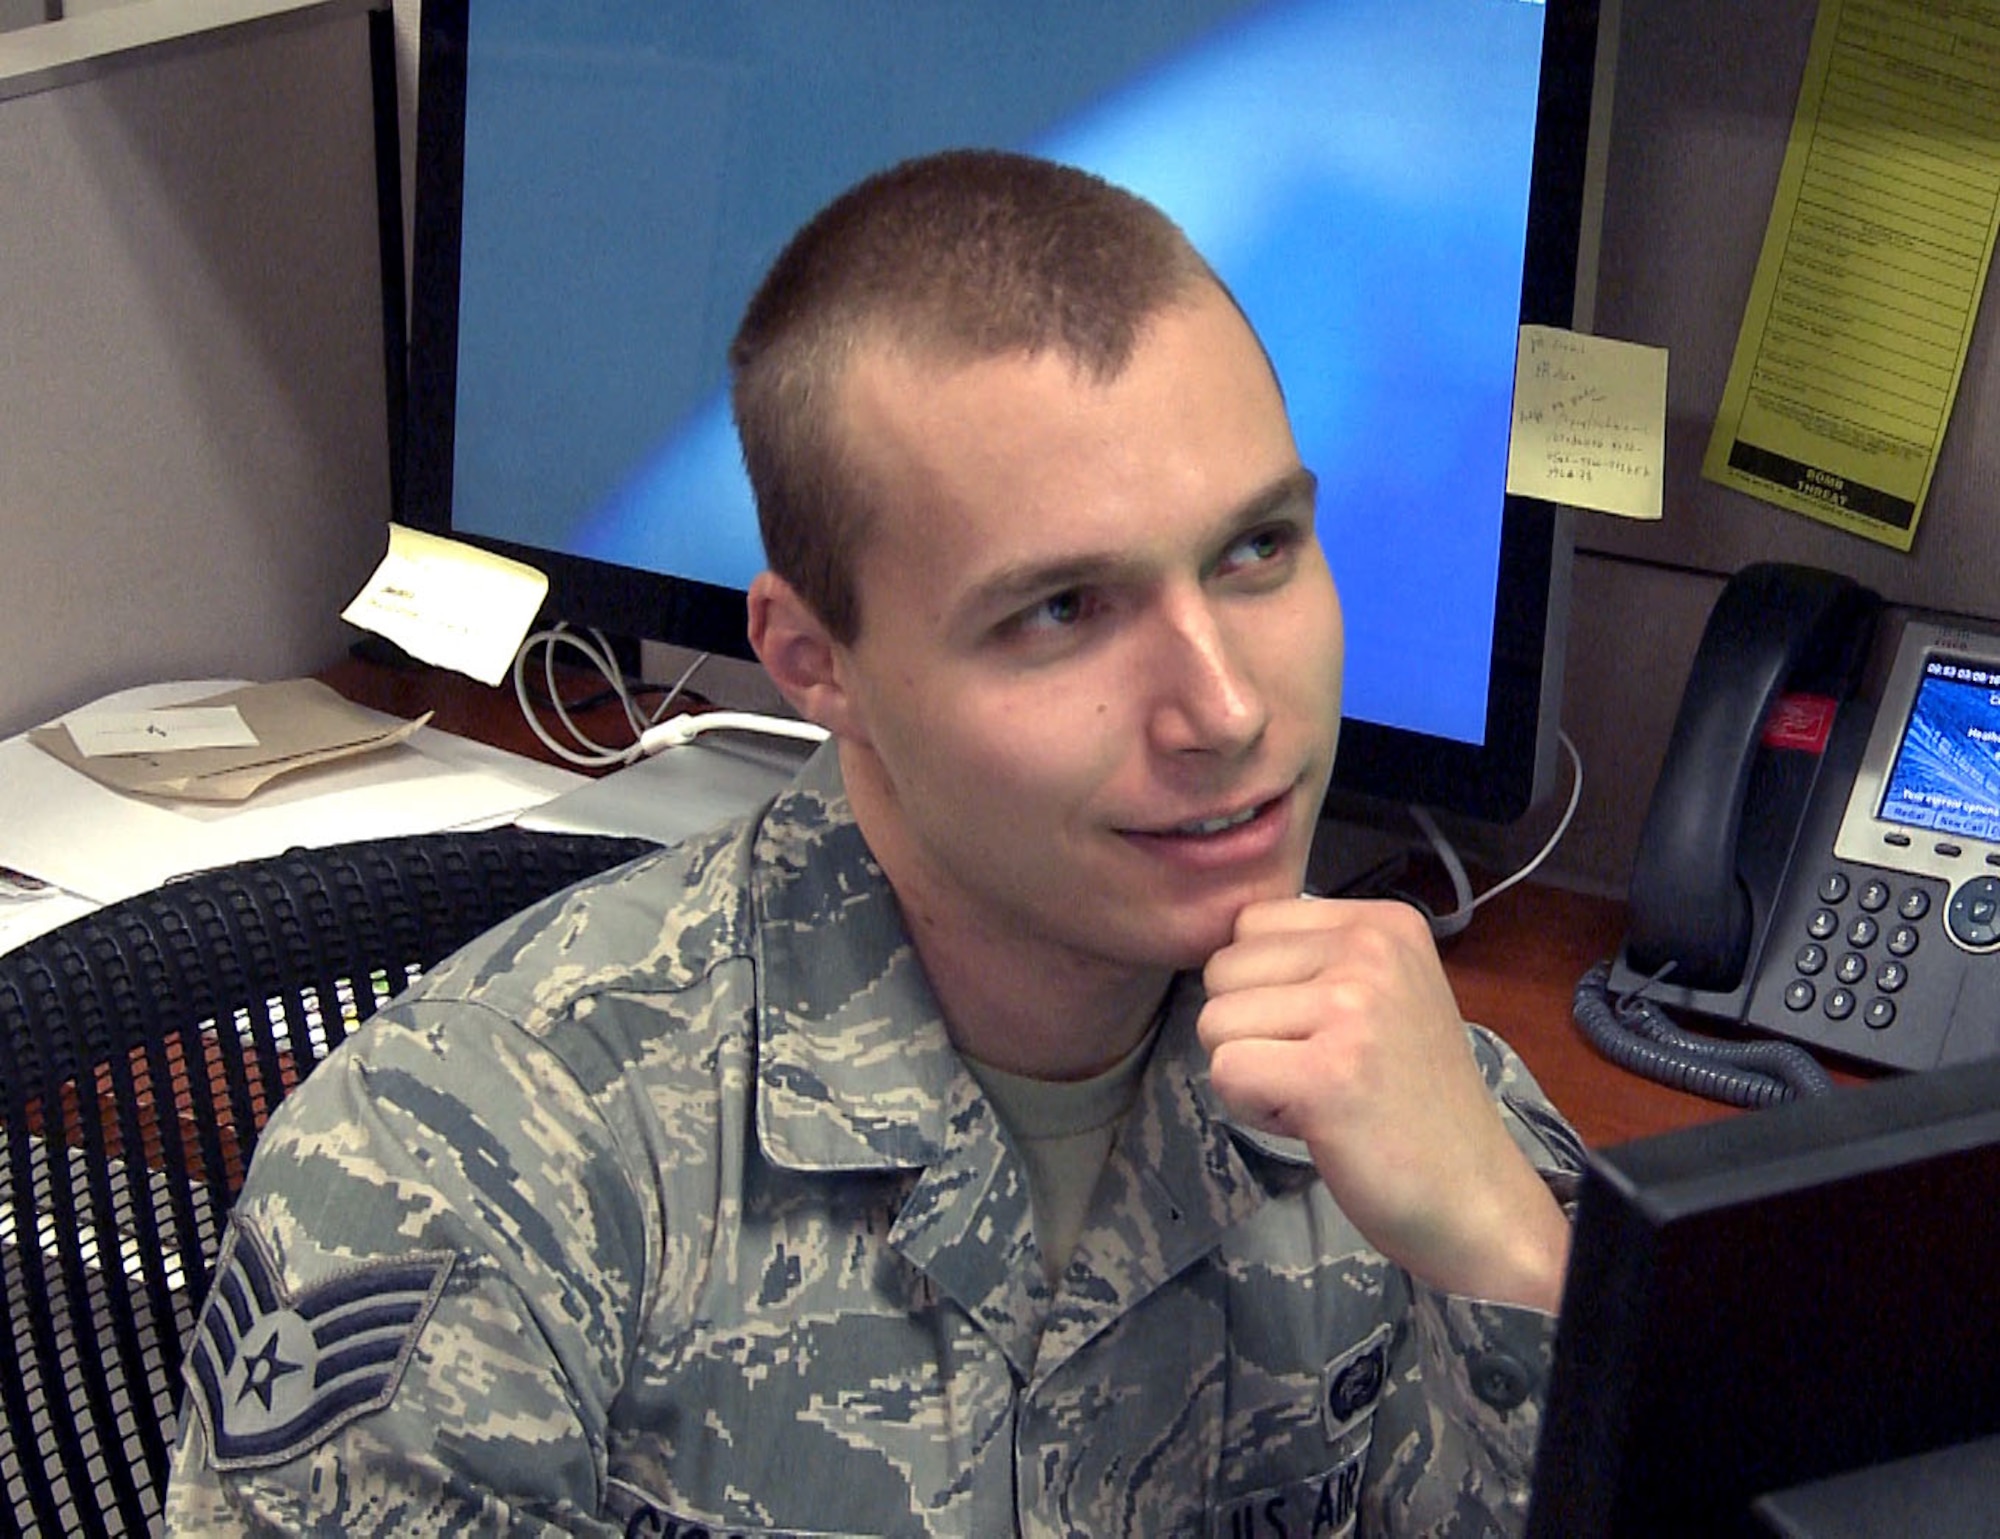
(1590, 422)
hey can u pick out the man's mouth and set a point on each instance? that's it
(1203, 827)
(1216, 824)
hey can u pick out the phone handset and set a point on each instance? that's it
(1776, 629)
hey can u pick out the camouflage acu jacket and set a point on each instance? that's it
(669, 1210)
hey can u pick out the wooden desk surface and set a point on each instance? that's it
(1514, 967)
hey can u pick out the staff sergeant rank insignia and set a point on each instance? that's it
(273, 1375)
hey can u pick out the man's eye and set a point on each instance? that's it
(1261, 548)
(1058, 611)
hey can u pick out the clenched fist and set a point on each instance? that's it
(1331, 1021)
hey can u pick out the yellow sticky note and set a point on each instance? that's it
(1590, 422)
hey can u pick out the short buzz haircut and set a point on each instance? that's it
(956, 257)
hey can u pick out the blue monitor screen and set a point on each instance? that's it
(1357, 171)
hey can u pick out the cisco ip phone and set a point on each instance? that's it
(1821, 857)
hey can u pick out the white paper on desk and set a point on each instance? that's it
(29, 907)
(62, 826)
(23, 919)
(175, 729)
(449, 603)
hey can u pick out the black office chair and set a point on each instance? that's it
(142, 1047)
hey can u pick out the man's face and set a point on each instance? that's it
(1096, 689)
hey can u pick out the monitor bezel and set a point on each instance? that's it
(1494, 781)
(1712, 1348)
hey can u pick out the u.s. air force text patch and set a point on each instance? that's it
(1320, 1506)
(273, 1375)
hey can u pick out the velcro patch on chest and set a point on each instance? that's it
(1353, 1382)
(274, 1375)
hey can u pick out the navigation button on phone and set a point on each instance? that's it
(1973, 915)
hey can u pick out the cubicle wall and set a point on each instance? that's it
(193, 445)
(1705, 92)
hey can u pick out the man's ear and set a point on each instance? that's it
(809, 667)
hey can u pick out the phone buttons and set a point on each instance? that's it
(1839, 1004)
(1874, 895)
(1973, 915)
(1902, 940)
(1851, 968)
(1863, 931)
(1891, 977)
(1833, 887)
(1811, 958)
(1914, 904)
(1880, 1014)
(1824, 924)
(1799, 995)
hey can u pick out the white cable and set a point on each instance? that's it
(598, 653)
(685, 729)
(1444, 925)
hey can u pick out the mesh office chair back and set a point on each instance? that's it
(141, 1049)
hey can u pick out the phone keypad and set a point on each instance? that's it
(1850, 964)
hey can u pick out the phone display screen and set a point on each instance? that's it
(1947, 771)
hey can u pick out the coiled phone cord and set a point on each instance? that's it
(1635, 1034)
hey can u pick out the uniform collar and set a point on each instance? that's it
(854, 1067)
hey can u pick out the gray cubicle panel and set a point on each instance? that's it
(194, 446)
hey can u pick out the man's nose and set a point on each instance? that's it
(1206, 700)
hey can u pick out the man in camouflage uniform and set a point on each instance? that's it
(985, 1139)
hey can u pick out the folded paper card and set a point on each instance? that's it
(449, 603)
(295, 725)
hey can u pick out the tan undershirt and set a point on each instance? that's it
(1064, 1130)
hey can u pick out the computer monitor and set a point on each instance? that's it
(1766, 1301)
(1389, 187)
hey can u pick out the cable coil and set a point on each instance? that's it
(1635, 1034)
